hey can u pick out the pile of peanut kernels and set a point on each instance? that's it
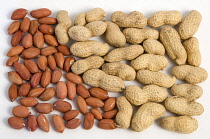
(30, 79)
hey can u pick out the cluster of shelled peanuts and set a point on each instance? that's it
(101, 69)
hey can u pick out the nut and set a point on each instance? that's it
(51, 62)
(181, 106)
(21, 111)
(16, 123)
(172, 43)
(74, 78)
(146, 115)
(47, 20)
(58, 123)
(33, 27)
(97, 113)
(82, 105)
(103, 80)
(71, 90)
(49, 50)
(99, 93)
(38, 13)
(22, 71)
(17, 36)
(43, 122)
(31, 66)
(193, 75)
(46, 78)
(74, 123)
(70, 115)
(56, 76)
(24, 89)
(69, 61)
(11, 60)
(25, 24)
(35, 92)
(28, 101)
(109, 104)
(50, 40)
(94, 102)
(135, 19)
(14, 26)
(107, 124)
(61, 90)
(156, 78)
(110, 114)
(19, 14)
(38, 39)
(113, 35)
(35, 79)
(82, 91)
(15, 51)
(15, 78)
(30, 53)
(46, 29)
(48, 94)
(44, 108)
(59, 58)
(32, 123)
(88, 121)
(64, 50)
(13, 92)
(62, 106)
(42, 62)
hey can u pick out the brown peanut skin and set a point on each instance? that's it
(71, 90)
(107, 124)
(43, 122)
(58, 123)
(21, 111)
(99, 93)
(70, 115)
(16, 123)
(74, 123)
(19, 14)
(13, 92)
(44, 108)
(62, 106)
(81, 104)
(32, 123)
(61, 90)
(82, 91)
(109, 104)
(88, 121)
(28, 101)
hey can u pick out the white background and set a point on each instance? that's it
(147, 7)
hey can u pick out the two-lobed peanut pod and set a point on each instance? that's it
(181, 106)
(98, 78)
(191, 46)
(92, 62)
(153, 47)
(121, 70)
(181, 124)
(113, 35)
(172, 43)
(88, 48)
(150, 62)
(189, 91)
(61, 30)
(146, 115)
(135, 19)
(138, 96)
(165, 18)
(124, 114)
(136, 36)
(125, 53)
(190, 24)
(190, 74)
(156, 78)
